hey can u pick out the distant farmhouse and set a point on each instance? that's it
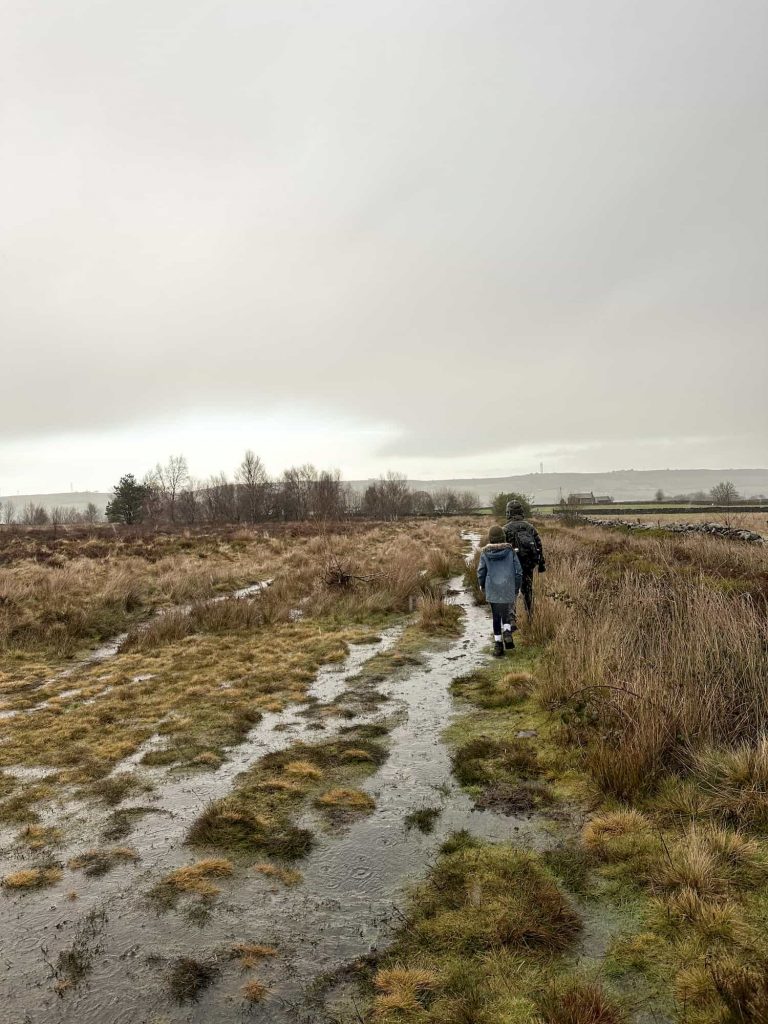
(581, 498)
(588, 498)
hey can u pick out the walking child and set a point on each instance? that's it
(500, 576)
(526, 540)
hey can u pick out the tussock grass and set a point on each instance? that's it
(652, 668)
(188, 978)
(478, 938)
(254, 991)
(573, 1000)
(250, 954)
(192, 880)
(95, 863)
(288, 876)
(437, 615)
(345, 799)
(423, 818)
(32, 878)
(483, 761)
(37, 837)
(479, 897)
(489, 689)
(257, 818)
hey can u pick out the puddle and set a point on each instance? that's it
(353, 882)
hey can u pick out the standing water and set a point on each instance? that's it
(353, 882)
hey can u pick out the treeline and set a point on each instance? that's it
(169, 495)
(32, 514)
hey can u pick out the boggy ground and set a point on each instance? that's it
(594, 815)
(115, 771)
(634, 720)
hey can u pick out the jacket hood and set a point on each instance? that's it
(497, 550)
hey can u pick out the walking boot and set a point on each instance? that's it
(498, 648)
(509, 643)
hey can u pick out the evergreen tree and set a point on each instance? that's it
(127, 504)
(500, 503)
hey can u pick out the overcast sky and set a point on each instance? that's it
(449, 237)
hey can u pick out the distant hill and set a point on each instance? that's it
(621, 484)
(69, 499)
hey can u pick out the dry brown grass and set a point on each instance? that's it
(100, 861)
(32, 878)
(663, 661)
(254, 991)
(250, 954)
(200, 680)
(192, 880)
(288, 876)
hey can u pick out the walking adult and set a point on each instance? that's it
(526, 540)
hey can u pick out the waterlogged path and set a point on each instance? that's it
(351, 891)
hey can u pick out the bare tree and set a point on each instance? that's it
(389, 497)
(91, 514)
(422, 503)
(34, 515)
(219, 500)
(328, 495)
(188, 506)
(466, 501)
(445, 500)
(9, 513)
(172, 478)
(253, 487)
(724, 493)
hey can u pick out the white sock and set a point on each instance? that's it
(507, 627)
(497, 638)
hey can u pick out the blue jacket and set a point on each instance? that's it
(499, 573)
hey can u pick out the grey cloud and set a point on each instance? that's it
(484, 224)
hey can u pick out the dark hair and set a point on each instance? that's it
(496, 535)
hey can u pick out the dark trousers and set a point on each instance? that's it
(503, 614)
(527, 587)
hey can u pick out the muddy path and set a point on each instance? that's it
(350, 895)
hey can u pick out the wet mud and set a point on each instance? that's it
(345, 906)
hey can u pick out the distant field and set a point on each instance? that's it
(757, 521)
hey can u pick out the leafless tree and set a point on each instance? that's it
(34, 515)
(445, 500)
(389, 497)
(466, 501)
(188, 506)
(219, 500)
(91, 514)
(253, 487)
(422, 503)
(171, 478)
(724, 493)
(328, 495)
(9, 513)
